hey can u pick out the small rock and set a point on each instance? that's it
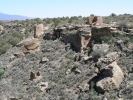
(86, 58)
(86, 87)
(78, 71)
(68, 71)
(44, 60)
(96, 70)
(105, 98)
(19, 54)
(43, 86)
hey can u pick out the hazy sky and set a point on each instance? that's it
(59, 8)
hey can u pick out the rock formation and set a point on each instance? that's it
(29, 45)
(111, 74)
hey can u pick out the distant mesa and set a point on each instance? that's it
(12, 17)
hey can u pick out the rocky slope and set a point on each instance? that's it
(70, 62)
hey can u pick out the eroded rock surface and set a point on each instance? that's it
(112, 77)
(29, 45)
(110, 74)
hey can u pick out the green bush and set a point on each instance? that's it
(14, 41)
(1, 73)
(17, 34)
(124, 24)
(106, 39)
(4, 48)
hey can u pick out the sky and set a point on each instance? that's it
(60, 8)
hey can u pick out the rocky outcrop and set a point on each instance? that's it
(112, 77)
(109, 58)
(95, 20)
(110, 74)
(38, 30)
(29, 45)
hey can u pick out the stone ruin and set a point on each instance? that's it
(95, 20)
(38, 30)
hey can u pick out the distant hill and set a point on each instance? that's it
(12, 17)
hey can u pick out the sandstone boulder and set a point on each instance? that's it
(112, 76)
(38, 30)
(109, 58)
(29, 45)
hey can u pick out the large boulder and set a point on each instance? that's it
(38, 30)
(29, 45)
(111, 77)
(110, 74)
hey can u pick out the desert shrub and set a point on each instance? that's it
(113, 14)
(106, 39)
(38, 20)
(1, 71)
(124, 24)
(92, 15)
(48, 20)
(1, 22)
(97, 54)
(17, 34)
(4, 48)
(14, 41)
(73, 18)
(56, 21)
(3, 32)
